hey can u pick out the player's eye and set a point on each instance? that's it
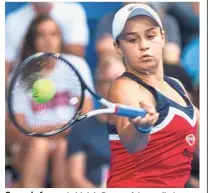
(132, 40)
(150, 36)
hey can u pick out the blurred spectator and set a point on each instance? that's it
(104, 41)
(187, 14)
(191, 60)
(194, 178)
(88, 154)
(193, 182)
(30, 156)
(70, 17)
(88, 149)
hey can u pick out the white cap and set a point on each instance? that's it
(129, 11)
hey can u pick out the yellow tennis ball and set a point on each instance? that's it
(43, 90)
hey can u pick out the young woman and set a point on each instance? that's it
(44, 36)
(154, 151)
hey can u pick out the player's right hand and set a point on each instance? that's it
(149, 120)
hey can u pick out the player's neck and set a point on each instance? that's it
(155, 79)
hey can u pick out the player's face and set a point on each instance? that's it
(141, 44)
(48, 37)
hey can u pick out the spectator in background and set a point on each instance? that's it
(88, 149)
(31, 155)
(187, 14)
(191, 60)
(70, 17)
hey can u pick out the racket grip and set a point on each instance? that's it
(130, 112)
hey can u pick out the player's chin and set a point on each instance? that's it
(148, 63)
(148, 66)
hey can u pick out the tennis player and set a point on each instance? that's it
(157, 150)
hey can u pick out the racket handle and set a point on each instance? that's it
(130, 112)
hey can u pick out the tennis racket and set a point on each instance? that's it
(65, 108)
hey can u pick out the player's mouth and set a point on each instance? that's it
(147, 58)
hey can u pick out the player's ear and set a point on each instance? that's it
(163, 38)
(118, 49)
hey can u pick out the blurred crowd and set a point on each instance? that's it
(80, 157)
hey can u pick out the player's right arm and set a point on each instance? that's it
(134, 133)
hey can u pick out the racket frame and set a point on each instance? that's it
(16, 75)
